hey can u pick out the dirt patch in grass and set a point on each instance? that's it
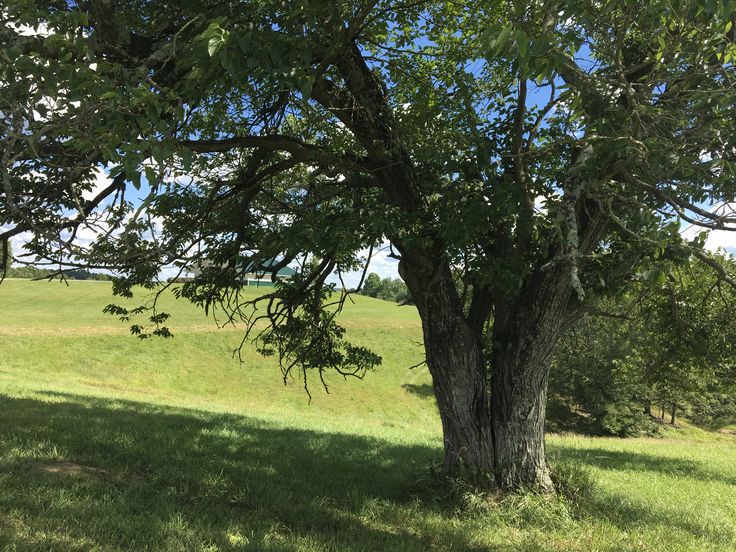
(70, 468)
(10, 522)
(727, 431)
(73, 469)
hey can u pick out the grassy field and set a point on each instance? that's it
(111, 443)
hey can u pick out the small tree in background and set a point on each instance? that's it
(372, 285)
(388, 289)
(667, 342)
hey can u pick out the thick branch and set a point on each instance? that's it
(715, 265)
(719, 222)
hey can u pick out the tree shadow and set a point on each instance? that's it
(561, 418)
(423, 390)
(628, 517)
(81, 473)
(166, 478)
(625, 513)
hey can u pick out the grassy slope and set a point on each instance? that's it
(174, 445)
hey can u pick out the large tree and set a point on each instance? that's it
(520, 158)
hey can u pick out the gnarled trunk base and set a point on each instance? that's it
(521, 461)
(492, 412)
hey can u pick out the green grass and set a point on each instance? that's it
(111, 443)
(56, 338)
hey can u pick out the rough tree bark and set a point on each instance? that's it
(525, 333)
(455, 361)
(492, 409)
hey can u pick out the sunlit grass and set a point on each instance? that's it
(112, 443)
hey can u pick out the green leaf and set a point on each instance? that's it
(135, 179)
(158, 154)
(152, 111)
(186, 158)
(151, 175)
(214, 45)
(305, 86)
(522, 43)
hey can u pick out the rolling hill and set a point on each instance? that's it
(108, 442)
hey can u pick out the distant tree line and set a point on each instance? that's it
(32, 272)
(388, 289)
(664, 348)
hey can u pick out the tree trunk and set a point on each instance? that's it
(672, 414)
(519, 403)
(458, 369)
(525, 333)
(502, 431)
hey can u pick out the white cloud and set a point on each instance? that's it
(24, 30)
(717, 239)
(102, 180)
(17, 242)
(540, 204)
(383, 265)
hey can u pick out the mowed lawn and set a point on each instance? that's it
(112, 443)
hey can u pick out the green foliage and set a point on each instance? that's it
(669, 341)
(713, 410)
(302, 131)
(525, 161)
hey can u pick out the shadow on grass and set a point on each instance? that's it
(423, 390)
(627, 514)
(168, 478)
(640, 462)
(560, 418)
(142, 476)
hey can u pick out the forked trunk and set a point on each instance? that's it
(492, 412)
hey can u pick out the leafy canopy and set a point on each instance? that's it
(502, 137)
